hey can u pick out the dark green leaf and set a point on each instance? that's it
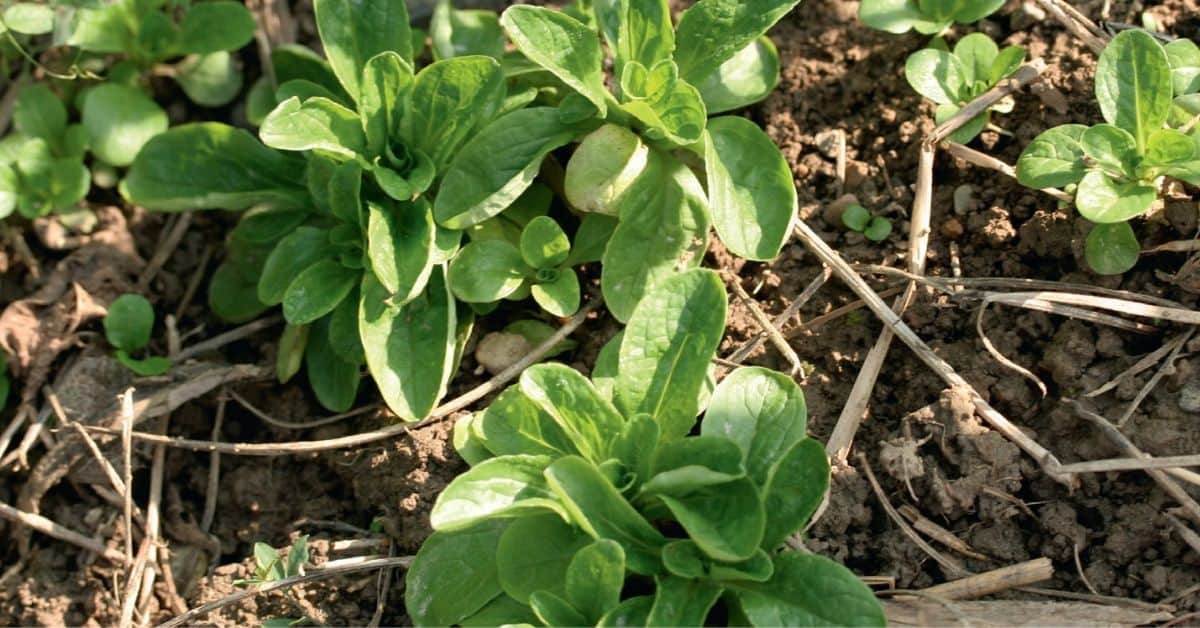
(410, 348)
(595, 578)
(333, 380)
(215, 26)
(301, 249)
(1133, 84)
(809, 590)
(632, 612)
(1053, 159)
(487, 271)
(689, 464)
(39, 113)
(386, 80)
(454, 575)
(1111, 147)
(535, 553)
(552, 610)
(667, 347)
(1112, 249)
(211, 166)
(119, 121)
(353, 31)
(686, 560)
(501, 611)
(400, 246)
(343, 330)
(682, 602)
(793, 491)
(295, 62)
(290, 354)
(233, 297)
(762, 412)
(591, 238)
(726, 521)
(450, 101)
(129, 322)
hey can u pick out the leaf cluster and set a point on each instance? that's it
(269, 566)
(589, 502)
(928, 17)
(127, 327)
(1116, 167)
(859, 218)
(954, 78)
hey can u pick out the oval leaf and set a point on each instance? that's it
(1112, 249)
(120, 120)
(317, 291)
(1133, 84)
(1102, 200)
(400, 246)
(487, 271)
(1054, 158)
(501, 487)
(353, 31)
(561, 44)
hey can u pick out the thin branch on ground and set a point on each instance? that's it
(301, 425)
(995, 581)
(1167, 367)
(764, 323)
(984, 160)
(1083, 29)
(233, 335)
(61, 532)
(166, 246)
(1146, 362)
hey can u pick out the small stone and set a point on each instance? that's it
(1026, 15)
(500, 350)
(827, 143)
(833, 212)
(952, 229)
(964, 199)
(1189, 397)
(856, 173)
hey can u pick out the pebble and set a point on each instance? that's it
(827, 143)
(1026, 15)
(952, 229)
(832, 213)
(964, 199)
(856, 173)
(500, 350)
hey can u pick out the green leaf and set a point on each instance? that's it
(315, 124)
(711, 32)
(457, 33)
(497, 166)
(215, 26)
(685, 559)
(552, 610)
(301, 249)
(1007, 62)
(589, 421)
(267, 560)
(1112, 249)
(535, 553)
(1183, 55)
(210, 80)
(595, 578)
(333, 380)
(487, 271)
(561, 296)
(386, 80)
(104, 30)
(668, 344)
(39, 113)
(562, 45)
(762, 412)
(502, 611)
(637, 444)
(746, 78)
(543, 243)
(410, 348)
(129, 322)
(290, 354)
(451, 100)
(678, 113)
(606, 164)
(514, 424)
(969, 12)
(632, 612)
(1111, 147)
(793, 491)
(595, 230)
(597, 508)
(750, 189)
(468, 446)
(977, 52)
(353, 31)
(1102, 200)
(10, 188)
(317, 290)
(454, 575)
(856, 217)
(297, 556)
(233, 297)
(891, 16)
(878, 229)
(937, 75)
(400, 246)
(119, 121)
(295, 62)
(682, 601)
(1168, 146)
(1053, 159)
(809, 590)
(644, 33)
(662, 230)
(726, 521)
(29, 18)
(685, 465)
(211, 166)
(508, 486)
(1133, 84)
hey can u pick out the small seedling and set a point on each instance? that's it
(42, 162)
(953, 79)
(859, 218)
(127, 327)
(270, 567)
(928, 17)
(1117, 168)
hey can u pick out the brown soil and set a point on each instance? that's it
(923, 440)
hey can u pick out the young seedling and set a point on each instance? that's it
(874, 228)
(1117, 167)
(489, 270)
(269, 566)
(193, 50)
(127, 327)
(928, 17)
(652, 126)
(590, 502)
(953, 79)
(41, 161)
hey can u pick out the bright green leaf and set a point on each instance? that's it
(1133, 84)
(1112, 249)
(354, 31)
(1053, 159)
(711, 32)
(129, 322)
(487, 271)
(561, 44)
(119, 121)
(809, 590)
(215, 26)
(210, 80)
(508, 486)
(1102, 200)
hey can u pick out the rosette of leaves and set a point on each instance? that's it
(589, 502)
(488, 270)
(652, 127)
(41, 161)
(954, 78)
(928, 17)
(1117, 167)
(192, 45)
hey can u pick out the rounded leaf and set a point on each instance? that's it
(559, 297)
(1133, 84)
(317, 291)
(486, 271)
(1102, 200)
(215, 26)
(29, 18)
(1053, 159)
(129, 321)
(1112, 248)
(544, 244)
(210, 80)
(602, 167)
(936, 75)
(120, 120)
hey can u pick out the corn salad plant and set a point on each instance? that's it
(1117, 168)
(928, 17)
(593, 503)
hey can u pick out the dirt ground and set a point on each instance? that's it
(1113, 536)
